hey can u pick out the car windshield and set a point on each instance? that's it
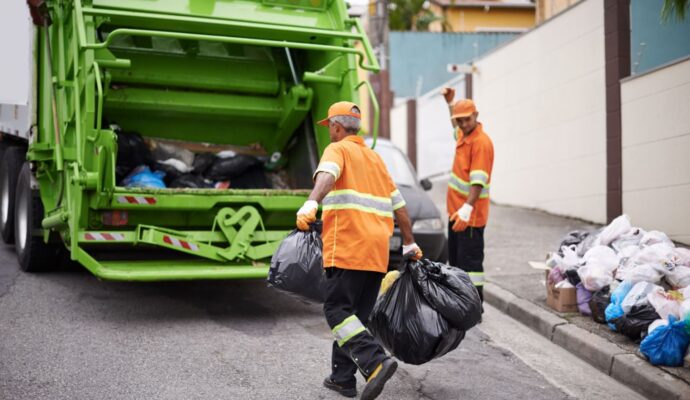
(397, 165)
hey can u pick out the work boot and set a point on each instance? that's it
(347, 391)
(378, 379)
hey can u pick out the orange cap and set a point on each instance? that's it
(341, 108)
(463, 108)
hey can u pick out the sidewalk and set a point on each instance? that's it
(515, 236)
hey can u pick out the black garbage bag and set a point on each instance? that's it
(598, 303)
(171, 173)
(230, 167)
(297, 265)
(253, 178)
(635, 323)
(202, 161)
(572, 276)
(406, 321)
(131, 153)
(191, 181)
(450, 291)
(572, 238)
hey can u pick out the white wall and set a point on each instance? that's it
(656, 150)
(541, 99)
(435, 142)
(399, 124)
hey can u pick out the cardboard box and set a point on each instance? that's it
(561, 300)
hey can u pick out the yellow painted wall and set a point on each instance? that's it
(468, 19)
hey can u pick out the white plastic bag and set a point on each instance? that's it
(655, 237)
(617, 228)
(570, 259)
(656, 324)
(685, 292)
(658, 253)
(684, 309)
(644, 273)
(629, 239)
(637, 296)
(564, 284)
(683, 256)
(665, 303)
(601, 255)
(678, 276)
(599, 264)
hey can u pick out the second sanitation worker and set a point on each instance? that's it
(359, 202)
(468, 189)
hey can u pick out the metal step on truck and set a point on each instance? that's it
(222, 80)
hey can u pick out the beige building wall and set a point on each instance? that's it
(547, 9)
(541, 99)
(478, 19)
(656, 150)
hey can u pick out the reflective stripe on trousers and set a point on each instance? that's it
(347, 329)
(477, 278)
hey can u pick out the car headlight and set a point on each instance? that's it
(430, 224)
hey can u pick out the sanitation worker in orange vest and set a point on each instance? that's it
(468, 189)
(359, 202)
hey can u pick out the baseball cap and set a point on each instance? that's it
(341, 108)
(463, 108)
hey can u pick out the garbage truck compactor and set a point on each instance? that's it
(214, 79)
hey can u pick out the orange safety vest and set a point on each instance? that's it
(358, 212)
(474, 159)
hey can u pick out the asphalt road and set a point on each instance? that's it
(66, 335)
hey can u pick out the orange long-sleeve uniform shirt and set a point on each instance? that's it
(358, 212)
(474, 159)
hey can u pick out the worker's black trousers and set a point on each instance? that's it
(352, 293)
(466, 251)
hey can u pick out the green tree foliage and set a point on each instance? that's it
(677, 8)
(410, 15)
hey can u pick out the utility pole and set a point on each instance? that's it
(378, 34)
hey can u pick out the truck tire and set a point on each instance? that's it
(10, 164)
(33, 253)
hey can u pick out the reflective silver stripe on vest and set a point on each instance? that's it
(463, 187)
(479, 177)
(330, 167)
(343, 199)
(397, 199)
(349, 328)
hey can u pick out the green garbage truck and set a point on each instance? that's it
(88, 86)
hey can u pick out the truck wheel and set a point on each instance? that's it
(33, 253)
(11, 162)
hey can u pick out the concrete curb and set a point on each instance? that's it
(621, 365)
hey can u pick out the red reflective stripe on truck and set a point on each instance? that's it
(180, 243)
(103, 237)
(146, 200)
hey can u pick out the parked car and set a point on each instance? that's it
(427, 225)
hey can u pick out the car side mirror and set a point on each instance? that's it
(426, 184)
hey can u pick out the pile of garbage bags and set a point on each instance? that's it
(425, 311)
(152, 163)
(635, 281)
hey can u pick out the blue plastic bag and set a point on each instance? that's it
(143, 177)
(666, 345)
(614, 309)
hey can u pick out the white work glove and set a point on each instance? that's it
(307, 215)
(461, 218)
(414, 249)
